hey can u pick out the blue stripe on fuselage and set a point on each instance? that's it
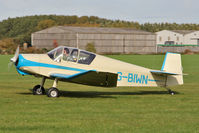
(27, 63)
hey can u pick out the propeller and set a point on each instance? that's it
(10, 65)
(14, 59)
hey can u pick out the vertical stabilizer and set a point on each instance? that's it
(172, 64)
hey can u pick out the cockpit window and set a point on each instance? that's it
(51, 54)
(71, 54)
(74, 55)
(56, 53)
(85, 57)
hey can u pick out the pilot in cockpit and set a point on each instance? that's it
(65, 54)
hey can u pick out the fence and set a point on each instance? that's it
(177, 48)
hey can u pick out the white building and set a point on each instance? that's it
(177, 37)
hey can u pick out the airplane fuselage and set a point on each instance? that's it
(83, 67)
(128, 74)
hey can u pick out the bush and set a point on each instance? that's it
(33, 50)
(91, 47)
(8, 46)
(188, 51)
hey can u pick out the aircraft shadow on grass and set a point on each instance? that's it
(97, 94)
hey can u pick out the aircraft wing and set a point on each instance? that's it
(68, 76)
(90, 77)
(162, 73)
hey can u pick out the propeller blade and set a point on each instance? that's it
(14, 59)
(10, 64)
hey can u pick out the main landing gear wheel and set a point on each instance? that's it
(38, 90)
(53, 92)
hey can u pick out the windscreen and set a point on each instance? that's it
(55, 53)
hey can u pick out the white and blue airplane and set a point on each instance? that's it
(79, 66)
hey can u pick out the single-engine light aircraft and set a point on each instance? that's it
(83, 67)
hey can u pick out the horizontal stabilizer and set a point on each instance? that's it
(162, 72)
(171, 69)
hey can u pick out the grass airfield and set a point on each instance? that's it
(88, 109)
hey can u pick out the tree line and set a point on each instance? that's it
(18, 30)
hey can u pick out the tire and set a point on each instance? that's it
(53, 92)
(38, 90)
(172, 93)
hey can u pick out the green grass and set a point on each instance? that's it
(95, 109)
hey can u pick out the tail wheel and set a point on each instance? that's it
(53, 92)
(38, 90)
(172, 93)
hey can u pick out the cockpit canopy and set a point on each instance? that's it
(71, 54)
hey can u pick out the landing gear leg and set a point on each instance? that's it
(55, 83)
(39, 89)
(53, 91)
(170, 91)
(43, 81)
